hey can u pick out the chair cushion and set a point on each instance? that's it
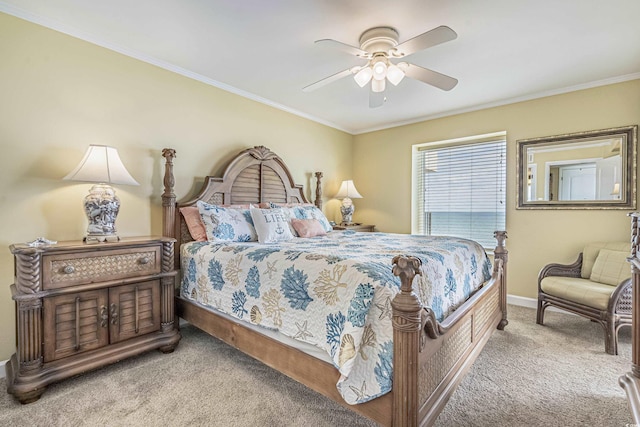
(611, 267)
(582, 291)
(590, 253)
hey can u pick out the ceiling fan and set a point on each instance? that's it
(379, 46)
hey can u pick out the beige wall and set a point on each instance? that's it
(59, 94)
(382, 172)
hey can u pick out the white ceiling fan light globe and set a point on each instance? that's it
(363, 76)
(378, 85)
(394, 74)
(379, 70)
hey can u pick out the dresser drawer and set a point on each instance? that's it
(75, 268)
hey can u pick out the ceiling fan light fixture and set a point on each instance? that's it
(379, 70)
(378, 85)
(394, 74)
(379, 45)
(363, 76)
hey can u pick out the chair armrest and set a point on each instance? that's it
(621, 301)
(563, 270)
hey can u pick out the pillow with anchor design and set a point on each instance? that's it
(272, 225)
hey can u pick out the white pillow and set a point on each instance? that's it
(272, 225)
(227, 224)
(291, 213)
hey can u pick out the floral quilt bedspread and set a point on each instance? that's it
(333, 292)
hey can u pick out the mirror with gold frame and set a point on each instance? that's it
(584, 170)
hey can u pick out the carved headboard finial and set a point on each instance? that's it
(168, 197)
(169, 154)
(318, 201)
(261, 152)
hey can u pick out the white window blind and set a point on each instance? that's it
(459, 188)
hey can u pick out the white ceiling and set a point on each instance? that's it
(506, 50)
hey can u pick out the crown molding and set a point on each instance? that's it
(507, 101)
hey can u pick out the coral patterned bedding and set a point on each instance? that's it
(333, 292)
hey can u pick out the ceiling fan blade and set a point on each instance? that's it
(330, 79)
(425, 40)
(429, 77)
(377, 99)
(334, 44)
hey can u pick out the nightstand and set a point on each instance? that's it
(356, 226)
(80, 307)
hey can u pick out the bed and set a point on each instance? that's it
(431, 350)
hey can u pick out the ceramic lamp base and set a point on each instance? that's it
(347, 210)
(101, 206)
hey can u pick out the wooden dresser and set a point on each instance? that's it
(80, 307)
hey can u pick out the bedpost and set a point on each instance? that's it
(501, 253)
(630, 381)
(406, 340)
(168, 197)
(318, 201)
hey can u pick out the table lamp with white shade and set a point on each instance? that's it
(347, 192)
(101, 164)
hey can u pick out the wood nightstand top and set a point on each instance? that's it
(356, 226)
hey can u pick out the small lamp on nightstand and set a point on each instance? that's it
(347, 192)
(102, 165)
(616, 191)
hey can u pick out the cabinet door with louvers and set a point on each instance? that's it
(134, 310)
(78, 322)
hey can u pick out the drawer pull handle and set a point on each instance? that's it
(104, 316)
(114, 314)
(68, 269)
(145, 260)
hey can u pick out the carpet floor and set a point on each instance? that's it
(527, 375)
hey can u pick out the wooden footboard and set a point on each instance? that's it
(430, 358)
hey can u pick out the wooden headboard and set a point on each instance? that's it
(255, 175)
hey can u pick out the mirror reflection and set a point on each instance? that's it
(588, 169)
(576, 170)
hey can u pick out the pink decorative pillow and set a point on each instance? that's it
(194, 223)
(308, 227)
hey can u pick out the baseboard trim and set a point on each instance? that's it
(3, 372)
(522, 301)
(532, 303)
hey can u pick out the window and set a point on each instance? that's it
(459, 188)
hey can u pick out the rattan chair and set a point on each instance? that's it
(596, 286)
